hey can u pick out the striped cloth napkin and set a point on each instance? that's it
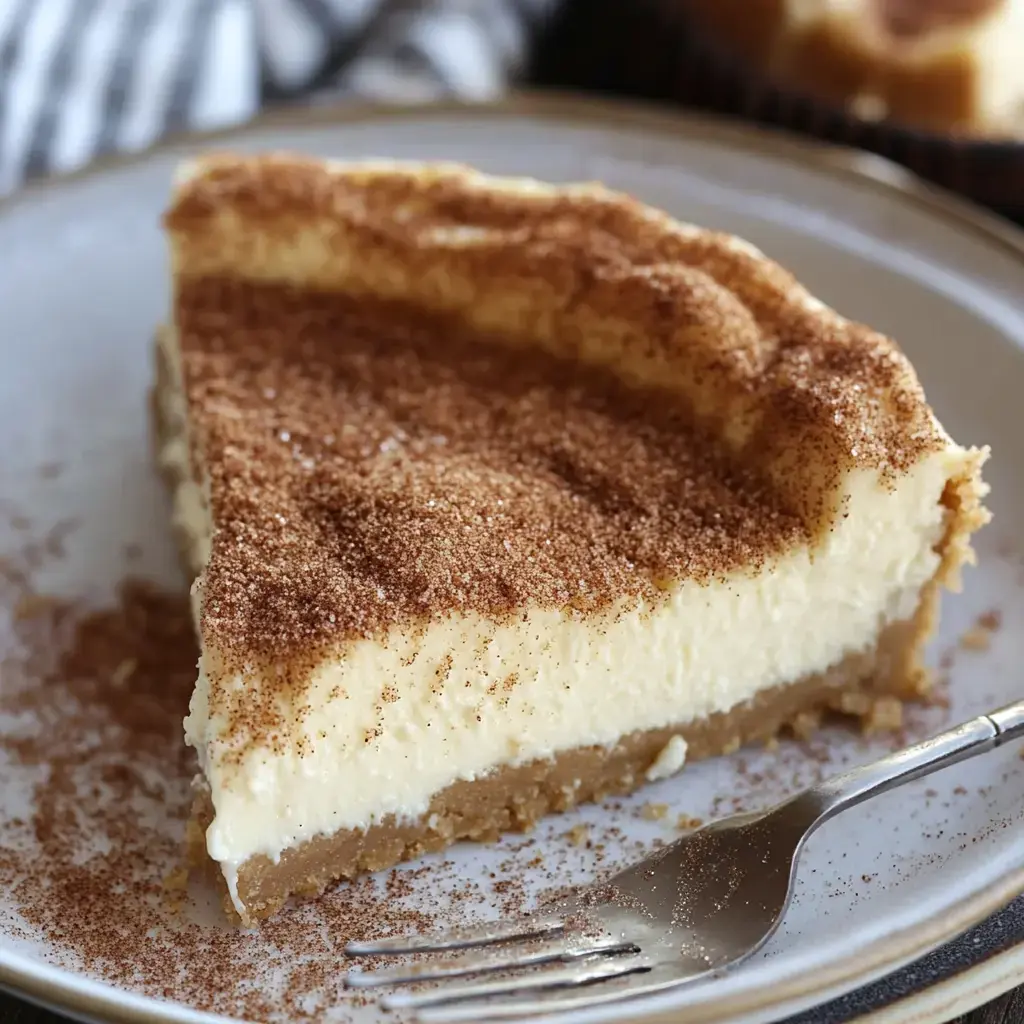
(81, 78)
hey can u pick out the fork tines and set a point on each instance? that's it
(561, 956)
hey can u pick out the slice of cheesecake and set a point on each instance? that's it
(943, 65)
(501, 497)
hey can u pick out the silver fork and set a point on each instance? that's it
(704, 903)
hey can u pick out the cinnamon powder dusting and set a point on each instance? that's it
(91, 704)
(372, 465)
(91, 752)
(417, 390)
(90, 729)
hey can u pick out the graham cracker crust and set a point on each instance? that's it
(867, 685)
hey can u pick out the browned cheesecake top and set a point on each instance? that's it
(421, 391)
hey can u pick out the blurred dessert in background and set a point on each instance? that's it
(934, 85)
(950, 66)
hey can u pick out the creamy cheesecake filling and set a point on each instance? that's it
(388, 725)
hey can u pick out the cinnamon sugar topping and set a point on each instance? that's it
(93, 872)
(402, 469)
(420, 390)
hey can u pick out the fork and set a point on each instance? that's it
(704, 903)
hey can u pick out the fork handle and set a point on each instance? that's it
(977, 736)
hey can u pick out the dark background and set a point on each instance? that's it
(642, 49)
(616, 49)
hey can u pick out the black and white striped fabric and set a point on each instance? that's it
(80, 78)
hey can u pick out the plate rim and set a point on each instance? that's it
(955, 995)
(899, 948)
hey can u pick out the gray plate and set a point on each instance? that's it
(83, 283)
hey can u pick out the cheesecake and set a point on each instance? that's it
(501, 496)
(939, 65)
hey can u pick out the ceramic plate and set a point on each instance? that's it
(92, 821)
